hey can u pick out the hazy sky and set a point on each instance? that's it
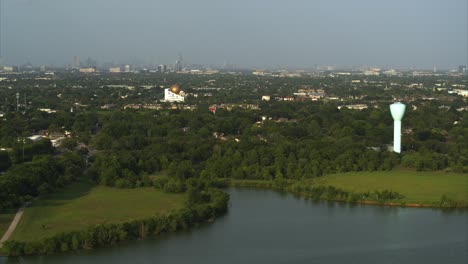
(254, 33)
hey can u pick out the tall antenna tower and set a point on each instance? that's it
(5, 105)
(17, 101)
(1, 33)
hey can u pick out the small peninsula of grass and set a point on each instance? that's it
(85, 217)
(417, 188)
(82, 205)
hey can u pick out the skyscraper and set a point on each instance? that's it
(178, 66)
(76, 62)
(462, 69)
(162, 68)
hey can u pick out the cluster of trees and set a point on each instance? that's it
(204, 205)
(437, 138)
(24, 151)
(295, 159)
(41, 175)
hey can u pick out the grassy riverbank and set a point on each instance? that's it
(417, 188)
(202, 205)
(82, 205)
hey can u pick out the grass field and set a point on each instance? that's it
(81, 205)
(417, 187)
(5, 220)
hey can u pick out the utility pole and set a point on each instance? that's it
(1, 62)
(22, 140)
(17, 101)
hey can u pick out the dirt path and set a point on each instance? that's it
(12, 226)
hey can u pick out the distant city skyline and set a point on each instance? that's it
(256, 34)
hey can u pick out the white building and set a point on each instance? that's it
(354, 106)
(47, 110)
(114, 70)
(35, 138)
(461, 92)
(87, 70)
(372, 72)
(169, 96)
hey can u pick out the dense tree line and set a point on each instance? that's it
(303, 140)
(41, 175)
(135, 145)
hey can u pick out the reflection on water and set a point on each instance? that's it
(263, 226)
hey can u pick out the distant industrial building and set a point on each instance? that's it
(258, 72)
(127, 68)
(309, 93)
(88, 70)
(374, 72)
(114, 70)
(390, 72)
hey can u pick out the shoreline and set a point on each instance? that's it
(108, 234)
(263, 184)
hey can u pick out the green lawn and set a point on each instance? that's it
(82, 205)
(417, 187)
(5, 220)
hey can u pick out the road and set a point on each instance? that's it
(12, 226)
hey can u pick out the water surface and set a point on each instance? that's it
(264, 226)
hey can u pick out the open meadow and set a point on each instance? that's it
(82, 204)
(416, 186)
